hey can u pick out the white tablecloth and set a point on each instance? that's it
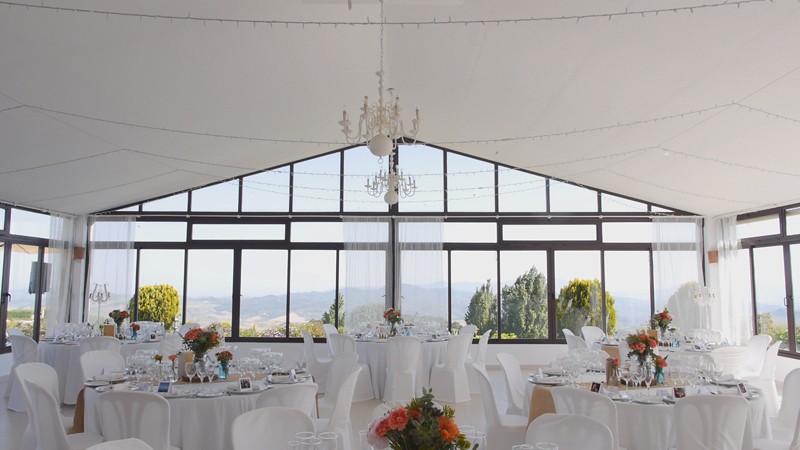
(65, 359)
(373, 354)
(195, 423)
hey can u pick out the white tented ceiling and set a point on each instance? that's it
(120, 101)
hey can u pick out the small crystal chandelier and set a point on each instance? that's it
(395, 184)
(380, 124)
(99, 295)
(704, 296)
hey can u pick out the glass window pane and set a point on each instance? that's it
(316, 184)
(768, 270)
(523, 308)
(555, 232)
(238, 232)
(177, 202)
(209, 288)
(426, 165)
(263, 290)
(22, 287)
(793, 221)
(758, 226)
(470, 184)
(266, 191)
(162, 270)
(612, 203)
(423, 288)
(571, 198)
(313, 290)
(470, 232)
(363, 286)
(160, 231)
(795, 252)
(359, 168)
(115, 268)
(317, 232)
(473, 287)
(2, 218)
(521, 191)
(218, 197)
(627, 232)
(27, 223)
(579, 293)
(628, 284)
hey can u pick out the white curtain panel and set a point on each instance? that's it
(678, 269)
(735, 302)
(111, 261)
(59, 257)
(421, 290)
(366, 243)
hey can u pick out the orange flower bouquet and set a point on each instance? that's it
(420, 425)
(642, 346)
(662, 320)
(200, 341)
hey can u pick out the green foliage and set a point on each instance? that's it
(580, 303)
(313, 327)
(767, 325)
(482, 309)
(328, 316)
(158, 303)
(524, 306)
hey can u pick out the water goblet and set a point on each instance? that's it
(329, 440)
(649, 376)
(200, 368)
(190, 371)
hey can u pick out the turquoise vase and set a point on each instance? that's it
(223, 370)
(134, 333)
(660, 377)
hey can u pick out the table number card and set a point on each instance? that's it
(678, 392)
(595, 387)
(741, 389)
(244, 384)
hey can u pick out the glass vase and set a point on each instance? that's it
(120, 333)
(223, 370)
(660, 377)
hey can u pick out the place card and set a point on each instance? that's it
(595, 387)
(678, 392)
(244, 384)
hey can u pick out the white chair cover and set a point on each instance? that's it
(766, 379)
(503, 431)
(773, 444)
(339, 422)
(24, 350)
(515, 384)
(302, 396)
(318, 367)
(100, 343)
(122, 444)
(50, 434)
(782, 427)
(269, 428)
(101, 362)
(570, 432)
(449, 380)
(755, 355)
(343, 343)
(170, 345)
(402, 359)
(730, 360)
(45, 376)
(130, 414)
(575, 342)
(187, 326)
(587, 403)
(468, 330)
(479, 358)
(342, 366)
(592, 334)
(710, 422)
(329, 330)
(567, 332)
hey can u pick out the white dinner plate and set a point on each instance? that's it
(546, 381)
(649, 400)
(96, 383)
(256, 390)
(728, 383)
(172, 396)
(210, 394)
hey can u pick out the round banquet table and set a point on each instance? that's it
(643, 426)
(195, 423)
(65, 359)
(373, 354)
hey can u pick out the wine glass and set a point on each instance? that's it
(637, 374)
(213, 366)
(329, 440)
(200, 368)
(627, 375)
(649, 376)
(190, 371)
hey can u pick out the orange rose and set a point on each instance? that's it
(383, 427)
(172, 357)
(639, 347)
(414, 413)
(653, 343)
(643, 336)
(398, 419)
(448, 429)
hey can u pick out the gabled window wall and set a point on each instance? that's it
(522, 254)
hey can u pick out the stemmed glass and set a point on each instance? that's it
(200, 368)
(627, 375)
(649, 375)
(190, 371)
(211, 366)
(329, 440)
(638, 374)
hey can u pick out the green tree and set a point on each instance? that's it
(524, 306)
(579, 304)
(327, 316)
(482, 309)
(158, 303)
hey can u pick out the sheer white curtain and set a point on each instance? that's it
(366, 243)
(111, 261)
(421, 290)
(678, 269)
(59, 257)
(735, 302)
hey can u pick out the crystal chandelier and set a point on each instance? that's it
(394, 184)
(704, 296)
(99, 295)
(380, 124)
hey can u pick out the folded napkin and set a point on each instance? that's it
(726, 377)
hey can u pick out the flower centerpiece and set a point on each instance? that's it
(200, 341)
(662, 320)
(393, 317)
(419, 425)
(642, 346)
(661, 364)
(224, 357)
(135, 327)
(119, 316)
